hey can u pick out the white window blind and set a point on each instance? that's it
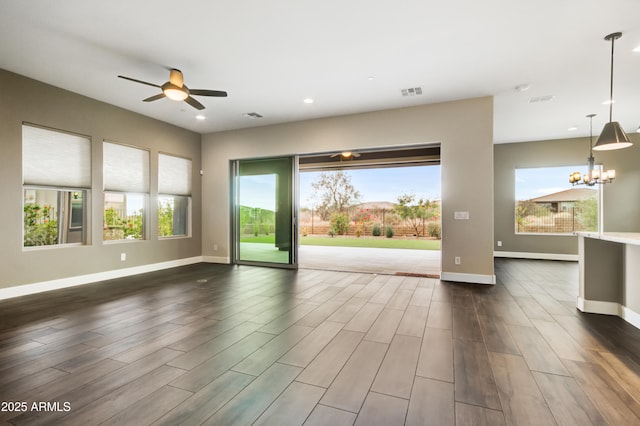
(174, 175)
(55, 158)
(125, 168)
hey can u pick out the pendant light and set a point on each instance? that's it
(593, 175)
(612, 136)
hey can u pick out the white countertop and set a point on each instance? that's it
(632, 238)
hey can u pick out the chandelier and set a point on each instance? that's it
(594, 175)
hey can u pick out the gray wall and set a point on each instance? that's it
(26, 100)
(464, 129)
(621, 198)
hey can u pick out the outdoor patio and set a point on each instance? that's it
(370, 260)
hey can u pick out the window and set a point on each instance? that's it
(56, 176)
(546, 203)
(126, 191)
(174, 196)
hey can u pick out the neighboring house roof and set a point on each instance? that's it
(573, 194)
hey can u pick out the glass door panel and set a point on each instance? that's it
(264, 211)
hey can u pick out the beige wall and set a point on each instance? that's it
(26, 100)
(464, 129)
(621, 198)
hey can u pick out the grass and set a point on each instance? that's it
(399, 243)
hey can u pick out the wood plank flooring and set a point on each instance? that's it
(226, 345)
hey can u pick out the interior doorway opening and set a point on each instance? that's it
(371, 211)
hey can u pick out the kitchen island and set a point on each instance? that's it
(609, 264)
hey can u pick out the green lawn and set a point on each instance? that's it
(400, 243)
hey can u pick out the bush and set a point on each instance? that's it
(331, 233)
(376, 231)
(389, 232)
(434, 230)
(339, 223)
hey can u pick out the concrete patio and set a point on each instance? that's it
(370, 260)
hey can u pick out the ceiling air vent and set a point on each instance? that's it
(537, 99)
(253, 115)
(412, 91)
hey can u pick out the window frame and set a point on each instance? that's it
(127, 188)
(185, 193)
(575, 167)
(37, 178)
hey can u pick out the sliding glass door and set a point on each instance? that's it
(264, 212)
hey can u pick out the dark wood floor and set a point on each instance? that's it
(222, 345)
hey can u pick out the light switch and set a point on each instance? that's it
(461, 215)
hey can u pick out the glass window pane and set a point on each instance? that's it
(124, 216)
(264, 209)
(546, 203)
(173, 214)
(53, 217)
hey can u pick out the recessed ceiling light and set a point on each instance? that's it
(636, 49)
(609, 101)
(522, 87)
(572, 129)
(308, 101)
(371, 78)
(200, 117)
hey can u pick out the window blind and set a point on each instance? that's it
(174, 175)
(57, 159)
(125, 168)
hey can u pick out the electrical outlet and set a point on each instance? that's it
(458, 260)
(215, 247)
(499, 243)
(123, 256)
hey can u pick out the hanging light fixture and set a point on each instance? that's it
(612, 135)
(594, 175)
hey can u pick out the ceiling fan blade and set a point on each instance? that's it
(154, 98)
(202, 92)
(194, 103)
(138, 81)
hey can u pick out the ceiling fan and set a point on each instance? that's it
(346, 155)
(176, 90)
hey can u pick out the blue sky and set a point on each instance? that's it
(383, 184)
(535, 182)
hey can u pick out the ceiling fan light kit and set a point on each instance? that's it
(176, 90)
(612, 135)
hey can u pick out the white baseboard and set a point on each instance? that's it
(630, 316)
(537, 256)
(26, 289)
(216, 259)
(609, 308)
(468, 278)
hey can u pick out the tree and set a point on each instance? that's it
(414, 213)
(334, 193)
(587, 213)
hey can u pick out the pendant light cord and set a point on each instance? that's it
(613, 40)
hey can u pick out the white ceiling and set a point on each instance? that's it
(270, 55)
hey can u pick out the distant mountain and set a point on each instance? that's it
(376, 205)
